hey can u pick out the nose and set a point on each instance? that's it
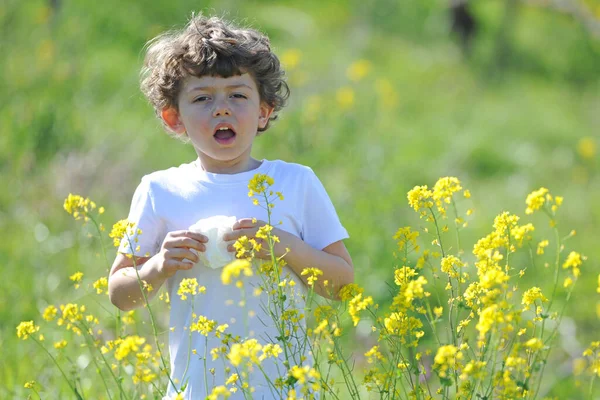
(221, 109)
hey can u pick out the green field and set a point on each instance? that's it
(521, 111)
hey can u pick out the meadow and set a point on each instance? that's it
(383, 99)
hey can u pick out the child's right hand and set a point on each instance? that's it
(176, 252)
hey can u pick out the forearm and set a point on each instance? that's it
(124, 287)
(337, 271)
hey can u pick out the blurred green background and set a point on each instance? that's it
(386, 95)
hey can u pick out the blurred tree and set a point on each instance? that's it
(464, 23)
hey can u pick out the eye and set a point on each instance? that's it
(239, 96)
(200, 99)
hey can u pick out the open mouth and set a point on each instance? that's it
(224, 135)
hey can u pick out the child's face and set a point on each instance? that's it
(221, 117)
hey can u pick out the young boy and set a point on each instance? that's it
(218, 87)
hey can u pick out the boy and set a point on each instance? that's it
(218, 87)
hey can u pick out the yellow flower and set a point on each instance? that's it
(128, 345)
(76, 277)
(203, 325)
(541, 246)
(446, 358)
(234, 269)
(189, 286)
(443, 191)
(50, 313)
(259, 184)
(245, 350)
(531, 295)
(312, 273)
(358, 70)
(123, 230)
(219, 391)
(451, 265)
(405, 236)
(574, 261)
(101, 285)
(535, 200)
(270, 350)
(302, 374)
(60, 345)
(29, 385)
(420, 198)
(488, 317)
(345, 97)
(373, 355)
(358, 304)
(26, 328)
(79, 207)
(350, 290)
(290, 58)
(403, 275)
(534, 344)
(437, 311)
(586, 147)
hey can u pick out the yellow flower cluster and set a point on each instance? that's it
(593, 355)
(80, 207)
(235, 269)
(101, 285)
(443, 191)
(50, 313)
(405, 237)
(313, 274)
(76, 277)
(531, 295)
(446, 359)
(356, 305)
(204, 325)
(422, 199)
(71, 315)
(26, 328)
(247, 248)
(349, 291)
(189, 286)
(538, 199)
(123, 230)
(248, 351)
(259, 184)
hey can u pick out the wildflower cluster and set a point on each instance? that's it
(81, 208)
(457, 325)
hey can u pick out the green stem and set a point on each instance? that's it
(154, 330)
(204, 361)
(73, 388)
(556, 265)
(86, 330)
(118, 317)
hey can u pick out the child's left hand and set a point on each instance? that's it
(249, 227)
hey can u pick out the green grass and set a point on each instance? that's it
(73, 120)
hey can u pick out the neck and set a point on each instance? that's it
(228, 167)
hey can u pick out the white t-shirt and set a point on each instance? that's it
(175, 199)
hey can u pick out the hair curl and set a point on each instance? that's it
(211, 47)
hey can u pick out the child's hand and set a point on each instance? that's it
(177, 252)
(249, 227)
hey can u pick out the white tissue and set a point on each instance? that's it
(216, 254)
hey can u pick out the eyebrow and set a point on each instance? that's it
(208, 88)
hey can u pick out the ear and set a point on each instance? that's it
(264, 113)
(171, 118)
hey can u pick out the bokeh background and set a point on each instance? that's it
(386, 95)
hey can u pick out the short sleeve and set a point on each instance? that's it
(148, 227)
(321, 225)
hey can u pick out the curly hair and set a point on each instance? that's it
(211, 47)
